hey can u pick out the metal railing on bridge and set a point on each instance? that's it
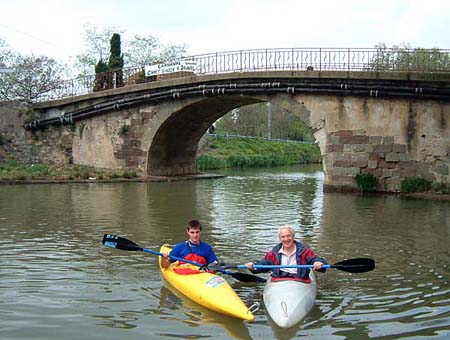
(228, 136)
(284, 59)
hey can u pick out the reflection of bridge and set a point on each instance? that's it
(390, 124)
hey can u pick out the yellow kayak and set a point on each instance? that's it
(207, 289)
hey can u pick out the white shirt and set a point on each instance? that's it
(288, 260)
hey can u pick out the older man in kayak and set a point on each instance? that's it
(290, 252)
(193, 249)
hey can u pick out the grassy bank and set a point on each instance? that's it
(13, 170)
(221, 152)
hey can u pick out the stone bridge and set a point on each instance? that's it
(393, 125)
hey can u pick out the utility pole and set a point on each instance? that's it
(269, 121)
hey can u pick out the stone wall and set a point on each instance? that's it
(115, 141)
(52, 145)
(353, 152)
(390, 138)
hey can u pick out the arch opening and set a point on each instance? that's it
(174, 146)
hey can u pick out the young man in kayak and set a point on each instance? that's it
(290, 252)
(193, 249)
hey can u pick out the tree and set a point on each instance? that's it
(115, 63)
(147, 50)
(252, 120)
(6, 55)
(138, 51)
(298, 130)
(406, 58)
(142, 50)
(171, 52)
(32, 79)
(227, 123)
(97, 46)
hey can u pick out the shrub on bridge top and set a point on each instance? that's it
(101, 76)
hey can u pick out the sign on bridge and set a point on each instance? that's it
(170, 67)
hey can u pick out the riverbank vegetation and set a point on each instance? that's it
(216, 153)
(223, 152)
(274, 137)
(410, 185)
(13, 170)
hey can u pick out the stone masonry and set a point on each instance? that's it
(354, 152)
(52, 145)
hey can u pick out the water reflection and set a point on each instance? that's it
(195, 315)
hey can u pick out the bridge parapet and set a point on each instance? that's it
(385, 60)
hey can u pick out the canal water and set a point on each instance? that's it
(57, 281)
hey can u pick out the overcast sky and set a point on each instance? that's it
(55, 27)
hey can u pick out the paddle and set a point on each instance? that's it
(358, 265)
(122, 243)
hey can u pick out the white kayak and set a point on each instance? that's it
(288, 302)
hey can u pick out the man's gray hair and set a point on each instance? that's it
(286, 227)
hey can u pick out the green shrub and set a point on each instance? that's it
(10, 165)
(442, 188)
(3, 139)
(366, 182)
(81, 129)
(85, 173)
(114, 175)
(206, 162)
(126, 174)
(415, 184)
(124, 130)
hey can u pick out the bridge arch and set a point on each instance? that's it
(173, 148)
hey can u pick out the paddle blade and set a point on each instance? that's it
(121, 243)
(246, 277)
(358, 265)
